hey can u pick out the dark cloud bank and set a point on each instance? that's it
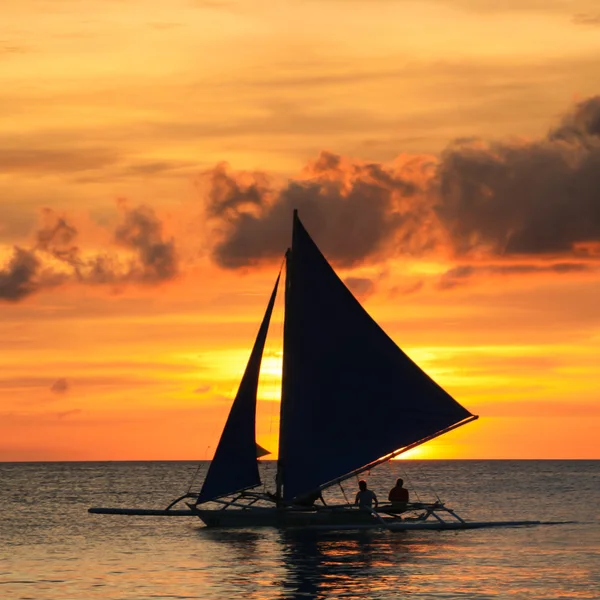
(512, 199)
(352, 209)
(539, 197)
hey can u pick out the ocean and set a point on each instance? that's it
(51, 548)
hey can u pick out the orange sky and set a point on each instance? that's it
(129, 310)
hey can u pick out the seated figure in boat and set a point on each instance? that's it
(398, 496)
(365, 498)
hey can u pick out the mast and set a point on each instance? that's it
(285, 364)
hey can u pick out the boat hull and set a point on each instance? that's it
(275, 517)
(335, 520)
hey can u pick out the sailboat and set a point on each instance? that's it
(351, 400)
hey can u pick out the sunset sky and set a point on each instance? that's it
(444, 154)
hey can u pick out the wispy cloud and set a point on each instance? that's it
(60, 386)
(140, 169)
(203, 389)
(589, 19)
(55, 160)
(557, 409)
(463, 273)
(85, 165)
(8, 48)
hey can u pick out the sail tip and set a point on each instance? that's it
(260, 451)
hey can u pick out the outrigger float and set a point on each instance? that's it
(351, 400)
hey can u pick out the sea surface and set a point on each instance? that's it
(51, 548)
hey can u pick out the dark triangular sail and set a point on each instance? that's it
(234, 466)
(349, 394)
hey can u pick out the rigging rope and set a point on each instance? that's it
(189, 490)
(344, 492)
(431, 488)
(411, 485)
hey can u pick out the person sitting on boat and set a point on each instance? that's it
(365, 498)
(398, 496)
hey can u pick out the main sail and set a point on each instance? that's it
(234, 467)
(349, 394)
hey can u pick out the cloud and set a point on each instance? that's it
(63, 414)
(85, 165)
(360, 286)
(459, 275)
(60, 386)
(55, 259)
(56, 237)
(549, 409)
(502, 201)
(141, 231)
(485, 204)
(163, 168)
(498, 88)
(352, 208)
(17, 279)
(407, 289)
(24, 275)
(535, 197)
(104, 381)
(582, 126)
(49, 160)
(154, 167)
(587, 19)
(203, 389)
(8, 48)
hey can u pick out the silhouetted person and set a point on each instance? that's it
(364, 497)
(398, 496)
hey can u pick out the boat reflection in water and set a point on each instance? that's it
(330, 566)
(314, 564)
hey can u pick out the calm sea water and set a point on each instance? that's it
(51, 548)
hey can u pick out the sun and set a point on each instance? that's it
(421, 452)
